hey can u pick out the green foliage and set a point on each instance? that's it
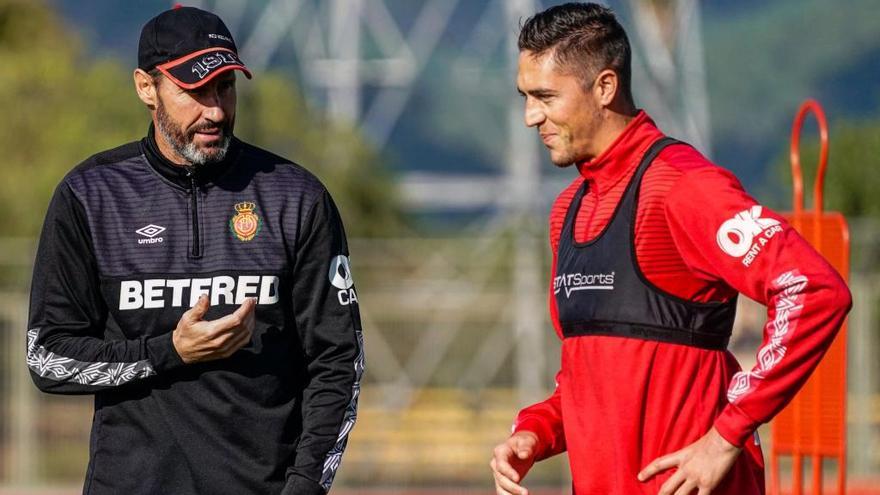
(58, 110)
(853, 176)
(851, 183)
(272, 114)
(775, 54)
(61, 107)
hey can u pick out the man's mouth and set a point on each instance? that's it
(209, 132)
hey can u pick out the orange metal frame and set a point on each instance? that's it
(797, 172)
(814, 424)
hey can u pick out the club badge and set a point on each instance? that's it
(245, 225)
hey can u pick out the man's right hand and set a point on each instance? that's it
(512, 460)
(196, 339)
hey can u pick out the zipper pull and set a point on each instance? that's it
(191, 174)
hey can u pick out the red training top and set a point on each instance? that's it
(620, 402)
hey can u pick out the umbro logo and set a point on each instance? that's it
(149, 232)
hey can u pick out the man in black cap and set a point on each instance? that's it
(199, 287)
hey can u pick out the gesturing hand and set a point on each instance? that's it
(701, 466)
(199, 340)
(511, 461)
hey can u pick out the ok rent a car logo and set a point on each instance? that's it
(745, 235)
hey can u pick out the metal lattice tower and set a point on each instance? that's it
(356, 57)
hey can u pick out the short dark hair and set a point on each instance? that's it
(156, 74)
(585, 38)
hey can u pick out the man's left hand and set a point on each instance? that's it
(701, 466)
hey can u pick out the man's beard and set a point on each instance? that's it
(181, 140)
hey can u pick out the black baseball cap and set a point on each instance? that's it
(189, 45)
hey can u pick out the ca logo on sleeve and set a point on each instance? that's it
(340, 277)
(743, 235)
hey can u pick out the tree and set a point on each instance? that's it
(853, 177)
(61, 107)
(273, 114)
(58, 109)
(851, 183)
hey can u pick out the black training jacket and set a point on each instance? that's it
(129, 243)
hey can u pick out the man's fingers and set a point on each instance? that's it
(237, 317)
(504, 468)
(197, 312)
(518, 447)
(505, 483)
(657, 465)
(686, 488)
(498, 489)
(251, 317)
(247, 307)
(672, 484)
(525, 446)
(502, 455)
(239, 341)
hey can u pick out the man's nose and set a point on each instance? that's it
(214, 113)
(533, 114)
(213, 107)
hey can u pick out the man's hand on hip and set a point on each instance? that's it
(512, 460)
(196, 339)
(700, 466)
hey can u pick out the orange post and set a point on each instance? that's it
(813, 426)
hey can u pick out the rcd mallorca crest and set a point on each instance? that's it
(245, 225)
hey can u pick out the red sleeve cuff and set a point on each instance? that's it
(542, 430)
(735, 425)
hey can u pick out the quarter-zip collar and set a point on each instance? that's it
(181, 175)
(620, 159)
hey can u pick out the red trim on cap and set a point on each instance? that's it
(177, 6)
(165, 68)
(221, 70)
(181, 60)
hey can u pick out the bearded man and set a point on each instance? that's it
(199, 287)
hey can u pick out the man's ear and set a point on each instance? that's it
(605, 87)
(147, 88)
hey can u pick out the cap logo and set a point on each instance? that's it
(203, 67)
(220, 37)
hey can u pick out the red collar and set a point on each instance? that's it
(622, 156)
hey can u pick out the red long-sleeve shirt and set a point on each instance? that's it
(621, 402)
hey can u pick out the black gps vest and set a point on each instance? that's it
(600, 289)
